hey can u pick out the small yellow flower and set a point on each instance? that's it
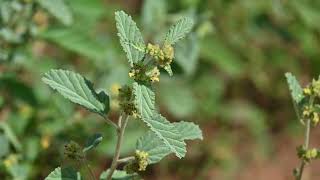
(315, 118)
(306, 111)
(142, 159)
(154, 74)
(316, 87)
(168, 52)
(307, 91)
(131, 74)
(45, 141)
(311, 153)
(11, 160)
(115, 89)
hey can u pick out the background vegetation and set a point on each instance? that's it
(229, 78)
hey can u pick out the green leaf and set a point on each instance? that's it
(78, 90)
(93, 142)
(76, 41)
(188, 130)
(154, 146)
(179, 31)
(166, 131)
(64, 174)
(58, 9)
(295, 88)
(118, 175)
(130, 36)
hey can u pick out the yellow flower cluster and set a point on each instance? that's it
(142, 159)
(125, 101)
(310, 154)
(154, 74)
(11, 160)
(308, 112)
(73, 151)
(162, 56)
(312, 89)
(140, 73)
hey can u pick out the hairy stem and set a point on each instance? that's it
(110, 122)
(122, 123)
(306, 145)
(126, 159)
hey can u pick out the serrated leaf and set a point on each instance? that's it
(157, 150)
(93, 142)
(64, 174)
(295, 88)
(144, 102)
(188, 130)
(77, 89)
(179, 31)
(58, 9)
(154, 146)
(119, 175)
(130, 36)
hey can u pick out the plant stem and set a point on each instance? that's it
(126, 159)
(120, 133)
(110, 122)
(306, 145)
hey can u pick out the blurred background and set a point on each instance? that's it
(228, 78)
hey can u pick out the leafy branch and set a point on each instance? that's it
(136, 101)
(307, 110)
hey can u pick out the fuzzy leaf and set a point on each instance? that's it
(179, 31)
(78, 90)
(64, 174)
(295, 88)
(58, 9)
(188, 130)
(154, 146)
(130, 36)
(166, 131)
(157, 150)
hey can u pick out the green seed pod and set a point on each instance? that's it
(73, 151)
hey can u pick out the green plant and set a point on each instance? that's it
(307, 107)
(136, 100)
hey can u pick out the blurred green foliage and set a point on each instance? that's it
(228, 76)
